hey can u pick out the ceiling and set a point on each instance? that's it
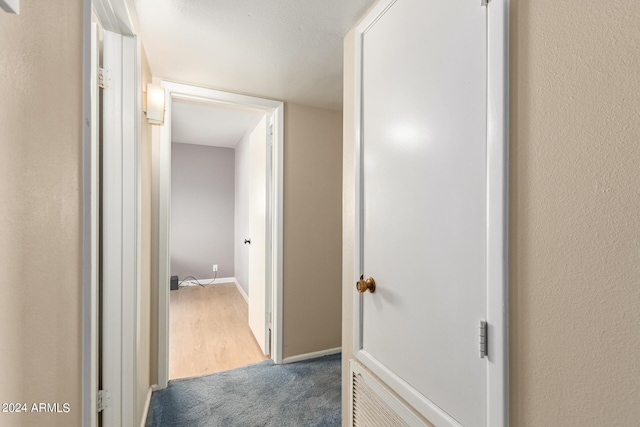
(209, 124)
(288, 50)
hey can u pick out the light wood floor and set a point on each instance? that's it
(209, 331)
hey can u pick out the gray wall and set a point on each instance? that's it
(202, 210)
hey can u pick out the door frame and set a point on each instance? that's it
(274, 247)
(90, 219)
(122, 121)
(121, 227)
(497, 215)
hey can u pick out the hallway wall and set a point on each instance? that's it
(41, 212)
(575, 199)
(312, 229)
(574, 223)
(40, 184)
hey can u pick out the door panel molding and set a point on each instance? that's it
(424, 406)
(497, 222)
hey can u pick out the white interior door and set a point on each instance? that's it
(423, 205)
(258, 292)
(120, 244)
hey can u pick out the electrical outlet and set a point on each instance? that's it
(215, 267)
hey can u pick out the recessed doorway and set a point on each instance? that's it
(217, 244)
(220, 231)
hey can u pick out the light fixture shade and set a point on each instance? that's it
(155, 104)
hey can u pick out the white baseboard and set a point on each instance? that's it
(145, 412)
(217, 281)
(242, 292)
(313, 355)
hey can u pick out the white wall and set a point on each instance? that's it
(242, 231)
(202, 210)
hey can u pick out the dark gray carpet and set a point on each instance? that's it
(302, 394)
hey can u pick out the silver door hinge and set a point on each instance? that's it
(484, 342)
(484, 2)
(102, 78)
(103, 400)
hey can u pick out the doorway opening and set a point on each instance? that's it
(252, 171)
(217, 245)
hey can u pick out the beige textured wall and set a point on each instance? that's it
(144, 294)
(312, 229)
(40, 214)
(574, 204)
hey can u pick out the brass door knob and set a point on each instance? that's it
(364, 285)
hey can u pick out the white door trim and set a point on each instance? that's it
(497, 219)
(121, 248)
(118, 16)
(498, 212)
(384, 394)
(274, 248)
(90, 219)
(120, 222)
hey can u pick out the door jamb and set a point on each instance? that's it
(120, 223)
(90, 222)
(117, 16)
(498, 212)
(497, 201)
(275, 264)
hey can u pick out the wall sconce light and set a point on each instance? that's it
(10, 6)
(153, 104)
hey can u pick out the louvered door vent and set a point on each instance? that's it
(374, 406)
